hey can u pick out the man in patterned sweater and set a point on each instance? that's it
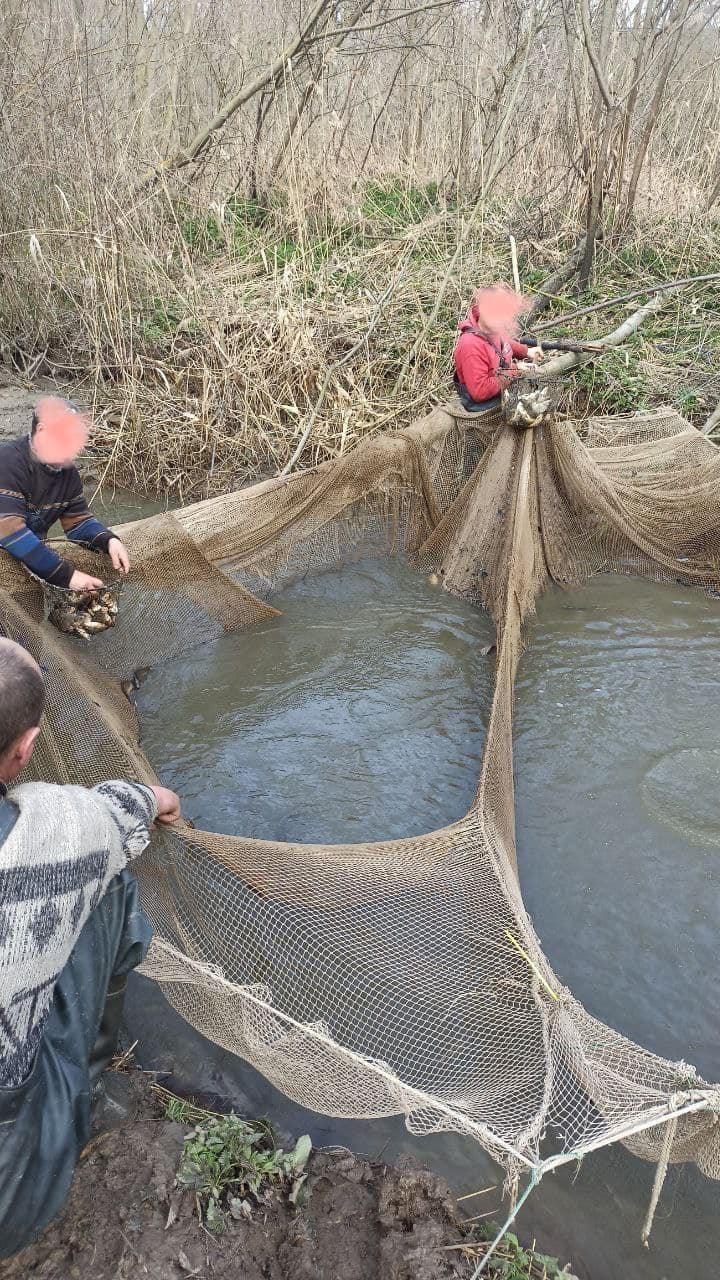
(71, 929)
(39, 484)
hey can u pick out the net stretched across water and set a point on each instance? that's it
(403, 976)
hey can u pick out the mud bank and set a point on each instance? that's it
(361, 1220)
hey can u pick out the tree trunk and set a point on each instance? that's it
(654, 111)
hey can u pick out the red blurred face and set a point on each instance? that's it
(486, 318)
(55, 453)
(61, 433)
(498, 310)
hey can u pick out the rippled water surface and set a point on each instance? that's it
(357, 715)
(617, 765)
(360, 714)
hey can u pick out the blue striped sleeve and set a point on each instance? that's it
(40, 559)
(133, 808)
(90, 533)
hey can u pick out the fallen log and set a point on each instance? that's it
(550, 288)
(712, 422)
(659, 286)
(573, 359)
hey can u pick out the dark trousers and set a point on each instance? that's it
(45, 1121)
(474, 406)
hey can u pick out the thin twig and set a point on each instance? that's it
(533, 966)
(712, 422)
(482, 1192)
(651, 287)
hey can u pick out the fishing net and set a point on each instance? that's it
(399, 977)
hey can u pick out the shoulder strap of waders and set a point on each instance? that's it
(9, 814)
(498, 350)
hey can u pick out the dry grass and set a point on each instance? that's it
(203, 364)
(202, 324)
(203, 361)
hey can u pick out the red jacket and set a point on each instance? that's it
(477, 360)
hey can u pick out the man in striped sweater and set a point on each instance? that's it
(40, 484)
(71, 929)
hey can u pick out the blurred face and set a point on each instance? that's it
(484, 317)
(498, 310)
(55, 453)
(61, 432)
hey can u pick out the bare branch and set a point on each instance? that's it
(651, 287)
(462, 240)
(572, 360)
(384, 22)
(233, 104)
(592, 55)
(550, 287)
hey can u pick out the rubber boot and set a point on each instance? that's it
(113, 1096)
(106, 1043)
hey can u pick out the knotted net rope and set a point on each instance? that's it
(404, 976)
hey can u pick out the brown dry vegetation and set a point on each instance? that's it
(220, 221)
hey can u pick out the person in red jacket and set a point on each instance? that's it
(486, 352)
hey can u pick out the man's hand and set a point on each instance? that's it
(119, 556)
(168, 804)
(536, 354)
(84, 582)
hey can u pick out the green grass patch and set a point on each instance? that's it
(232, 1165)
(161, 320)
(247, 212)
(243, 221)
(613, 384)
(511, 1261)
(202, 233)
(395, 202)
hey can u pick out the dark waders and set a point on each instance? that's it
(45, 1121)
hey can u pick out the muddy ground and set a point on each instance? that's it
(126, 1219)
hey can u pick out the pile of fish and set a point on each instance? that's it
(85, 613)
(526, 405)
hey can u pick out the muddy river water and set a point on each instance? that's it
(311, 727)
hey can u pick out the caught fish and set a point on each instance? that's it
(66, 622)
(137, 678)
(84, 613)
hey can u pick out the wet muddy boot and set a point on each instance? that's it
(106, 1041)
(112, 1094)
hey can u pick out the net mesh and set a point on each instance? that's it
(399, 977)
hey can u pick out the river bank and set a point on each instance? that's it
(247, 338)
(342, 1218)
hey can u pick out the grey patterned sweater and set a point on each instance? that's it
(64, 849)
